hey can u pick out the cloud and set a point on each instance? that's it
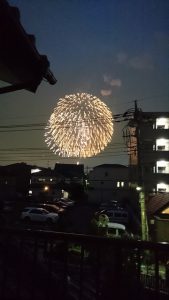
(121, 57)
(141, 62)
(161, 40)
(106, 92)
(116, 82)
(162, 37)
(106, 78)
(111, 81)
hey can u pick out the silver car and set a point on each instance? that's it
(39, 215)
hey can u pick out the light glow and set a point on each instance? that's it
(46, 188)
(35, 170)
(81, 125)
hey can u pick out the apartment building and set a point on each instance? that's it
(149, 150)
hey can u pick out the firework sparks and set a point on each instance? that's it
(81, 125)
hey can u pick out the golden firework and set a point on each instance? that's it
(81, 125)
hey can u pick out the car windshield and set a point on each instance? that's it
(44, 211)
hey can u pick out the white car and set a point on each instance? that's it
(39, 215)
(116, 229)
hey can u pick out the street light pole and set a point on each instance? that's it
(144, 225)
(142, 196)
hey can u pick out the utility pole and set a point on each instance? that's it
(141, 189)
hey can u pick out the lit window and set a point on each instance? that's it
(162, 144)
(162, 166)
(160, 126)
(161, 169)
(161, 148)
(166, 211)
(162, 123)
(162, 187)
(120, 183)
(35, 170)
(162, 190)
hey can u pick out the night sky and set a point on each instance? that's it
(117, 50)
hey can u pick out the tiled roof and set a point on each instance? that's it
(156, 203)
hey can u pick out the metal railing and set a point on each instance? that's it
(36, 264)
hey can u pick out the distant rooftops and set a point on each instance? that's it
(70, 170)
(110, 166)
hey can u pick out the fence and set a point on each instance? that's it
(36, 264)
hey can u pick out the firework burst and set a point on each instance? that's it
(81, 125)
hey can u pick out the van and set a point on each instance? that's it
(116, 229)
(119, 216)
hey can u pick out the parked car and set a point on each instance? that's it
(39, 215)
(65, 203)
(52, 208)
(116, 229)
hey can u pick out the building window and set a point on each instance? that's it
(161, 169)
(160, 126)
(163, 187)
(162, 123)
(162, 166)
(161, 148)
(162, 190)
(162, 144)
(120, 183)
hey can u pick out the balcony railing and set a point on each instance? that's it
(52, 265)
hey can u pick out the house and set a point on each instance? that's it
(108, 182)
(45, 184)
(72, 173)
(157, 207)
(14, 179)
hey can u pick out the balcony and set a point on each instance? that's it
(52, 265)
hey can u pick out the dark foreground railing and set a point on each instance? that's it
(51, 265)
